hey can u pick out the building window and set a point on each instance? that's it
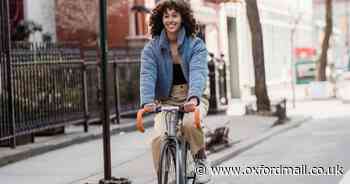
(140, 12)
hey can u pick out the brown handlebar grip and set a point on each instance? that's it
(197, 118)
(139, 120)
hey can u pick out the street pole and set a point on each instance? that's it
(6, 46)
(292, 66)
(294, 24)
(347, 42)
(108, 179)
(104, 63)
(292, 63)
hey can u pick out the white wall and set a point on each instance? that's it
(209, 17)
(42, 12)
(277, 19)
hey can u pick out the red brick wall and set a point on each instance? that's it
(118, 26)
(78, 21)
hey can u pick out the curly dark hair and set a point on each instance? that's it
(188, 20)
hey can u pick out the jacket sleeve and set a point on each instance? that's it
(148, 75)
(198, 68)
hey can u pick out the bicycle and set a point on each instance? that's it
(175, 151)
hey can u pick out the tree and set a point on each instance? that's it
(263, 101)
(323, 60)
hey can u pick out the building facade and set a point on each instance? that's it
(340, 40)
(224, 27)
(279, 20)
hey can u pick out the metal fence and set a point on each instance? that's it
(48, 85)
(59, 84)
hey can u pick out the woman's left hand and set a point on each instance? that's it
(191, 105)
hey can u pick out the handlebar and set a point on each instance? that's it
(139, 118)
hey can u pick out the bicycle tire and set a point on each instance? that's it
(167, 157)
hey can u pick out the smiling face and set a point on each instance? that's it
(172, 21)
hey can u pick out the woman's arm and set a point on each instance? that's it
(198, 68)
(148, 75)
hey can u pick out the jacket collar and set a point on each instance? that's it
(164, 43)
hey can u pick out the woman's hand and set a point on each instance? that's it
(191, 105)
(150, 107)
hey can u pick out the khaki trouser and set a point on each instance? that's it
(192, 135)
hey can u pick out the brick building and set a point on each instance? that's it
(223, 26)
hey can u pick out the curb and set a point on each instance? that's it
(250, 143)
(68, 142)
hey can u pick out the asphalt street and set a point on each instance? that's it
(322, 142)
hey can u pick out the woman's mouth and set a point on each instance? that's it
(171, 26)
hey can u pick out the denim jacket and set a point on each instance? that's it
(156, 73)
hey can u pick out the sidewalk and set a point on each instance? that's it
(74, 134)
(131, 156)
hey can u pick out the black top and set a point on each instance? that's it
(178, 76)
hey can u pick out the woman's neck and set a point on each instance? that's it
(172, 37)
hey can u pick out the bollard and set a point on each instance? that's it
(213, 105)
(222, 81)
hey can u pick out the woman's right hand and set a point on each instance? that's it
(150, 107)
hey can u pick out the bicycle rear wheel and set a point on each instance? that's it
(167, 165)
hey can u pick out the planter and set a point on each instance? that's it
(320, 90)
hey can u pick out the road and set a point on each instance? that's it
(322, 142)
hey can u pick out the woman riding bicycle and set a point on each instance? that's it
(174, 71)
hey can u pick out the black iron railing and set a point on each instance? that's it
(58, 84)
(53, 85)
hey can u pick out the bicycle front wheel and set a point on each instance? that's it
(167, 165)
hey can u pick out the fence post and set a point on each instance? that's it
(116, 93)
(85, 98)
(213, 105)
